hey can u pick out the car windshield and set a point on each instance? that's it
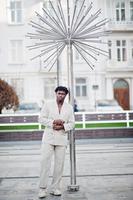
(107, 103)
(30, 106)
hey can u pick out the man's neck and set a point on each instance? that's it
(60, 103)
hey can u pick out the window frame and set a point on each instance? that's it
(121, 50)
(131, 47)
(131, 10)
(110, 49)
(15, 10)
(80, 87)
(119, 10)
(18, 56)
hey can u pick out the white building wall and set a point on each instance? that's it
(109, 88)
(131, 94)
(33, 72)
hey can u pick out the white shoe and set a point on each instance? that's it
(42, 193)
(56, 192)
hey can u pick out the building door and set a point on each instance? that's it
(121, 93)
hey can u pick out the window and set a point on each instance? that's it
(81, 87)
(131, 49)
(16, 51)
(131, 10)
(121, 84)
(121, 50)
(120, 11)
(18, 85)
(110, 51)
(15, 12)
(49, 87)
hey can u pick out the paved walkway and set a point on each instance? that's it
(104, 170)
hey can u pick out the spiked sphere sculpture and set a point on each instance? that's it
(54, 31)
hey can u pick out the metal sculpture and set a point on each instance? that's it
(80, 29)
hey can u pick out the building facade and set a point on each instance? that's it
(111, 78)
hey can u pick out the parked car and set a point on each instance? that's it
(28, 108)
(108, 105)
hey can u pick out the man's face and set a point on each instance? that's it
(60, 96)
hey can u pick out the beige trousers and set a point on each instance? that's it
(59, 157)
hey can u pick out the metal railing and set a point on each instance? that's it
(105, 119)
(83, 120)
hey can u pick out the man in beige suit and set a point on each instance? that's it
(58, 118)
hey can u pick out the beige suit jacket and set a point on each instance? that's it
(48, 114)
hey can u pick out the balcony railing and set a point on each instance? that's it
(114, 65)
(120, 25)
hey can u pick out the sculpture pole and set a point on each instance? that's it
(73, 186)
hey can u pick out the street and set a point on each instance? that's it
(104, 170)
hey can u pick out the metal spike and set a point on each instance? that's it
(80, 10)
(87, 61)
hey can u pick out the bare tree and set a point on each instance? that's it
(8, 96)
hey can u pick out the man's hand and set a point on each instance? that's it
(58, 124)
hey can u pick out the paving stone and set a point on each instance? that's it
(104, 171)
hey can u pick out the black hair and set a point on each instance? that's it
(61, 88)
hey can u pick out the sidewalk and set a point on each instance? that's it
(104, 170)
